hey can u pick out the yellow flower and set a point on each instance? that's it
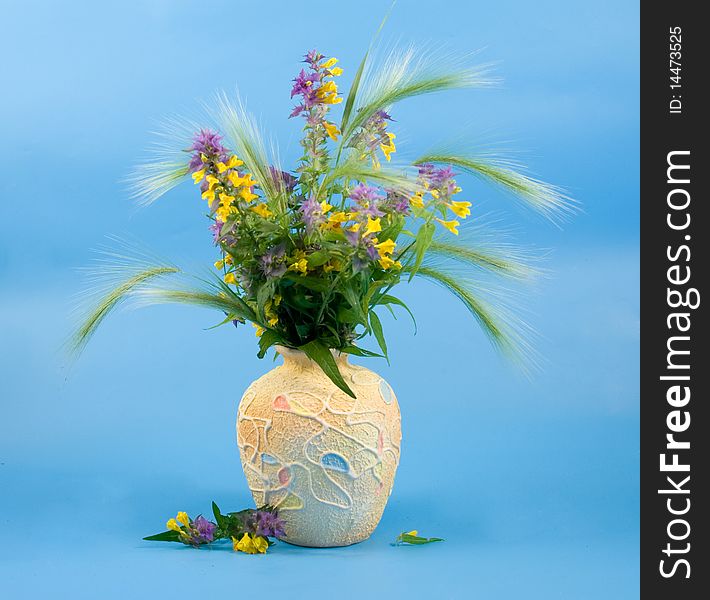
(336, 71)
(250, 544)
(223, 212)
(417, 200)
(386, 247)
(328, 93)
(248, 181)
(325, 207)
(221, 167)
(329, 63)
(339, 217)
(435, 193)
(260, 544)
(183, 518)
(219, 264)
(373, 225)
(389, 148)
(335, 220)
(234, 162)
(413, 532)
(457, 189)
(208, 195)
(240, 181)
(262, 210)
(269, 309)
(230, 278)
(212, 180)
(460, 208)
(450, 225)
(300, 265)
(355, 227)
(247, 195)
(258, 333)
(197, 176)
(386, 262)
(329, 87)
(332, 131)
(234, 178)
(172, 525)
(225, 207)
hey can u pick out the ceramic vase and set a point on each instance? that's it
(326, 460)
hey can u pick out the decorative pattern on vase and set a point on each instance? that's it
(326, 460)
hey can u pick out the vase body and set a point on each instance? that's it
(326, 460)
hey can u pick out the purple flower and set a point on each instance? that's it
(312, 214)
(203, 529)
(372, 133)
(353, 237)
(434, 176)
(303, 83)
(372, 252)
(272, 262)
(306, 85)
(367, 199)
(283, 178)
(209, 143)
(396, 202)
(364, 193)
(313, 57)
(216, 229)
(267, 524)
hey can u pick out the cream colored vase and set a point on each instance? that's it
(326, 460)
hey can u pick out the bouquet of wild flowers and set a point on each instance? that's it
(308, 256)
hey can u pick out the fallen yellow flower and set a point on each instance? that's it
(172, 525)
(250, 545)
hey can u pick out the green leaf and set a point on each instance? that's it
(320, 354)
(263, 295)
(228, 319)
(389, 299)
(422, 242)
(354, 350)
(354, 302)
(415, 540)
(376, 285)
(318, 258)
(312, 283)
(267, 339)
(219, 518)
(165, 536)
(376, 325)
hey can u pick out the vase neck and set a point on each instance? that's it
(297, 357)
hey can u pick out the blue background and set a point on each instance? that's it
(533, 483)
